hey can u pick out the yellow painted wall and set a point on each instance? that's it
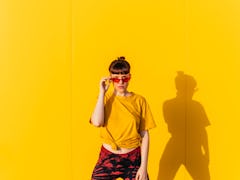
(160, 38)
(53, 54)
(35, 93)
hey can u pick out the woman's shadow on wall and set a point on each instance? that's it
(187, 121)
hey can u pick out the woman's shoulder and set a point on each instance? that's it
(138, 96)
(108, 96)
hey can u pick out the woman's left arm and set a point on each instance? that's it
(142, 171)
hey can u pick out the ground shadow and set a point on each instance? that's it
(188, 145)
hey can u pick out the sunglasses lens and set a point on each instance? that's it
(116, 80)
(125, 79)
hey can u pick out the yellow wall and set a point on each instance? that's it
(35, 81)
(53, 54)
(160, 38)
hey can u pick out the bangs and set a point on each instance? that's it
(119, 71)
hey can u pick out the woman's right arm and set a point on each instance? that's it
(97, 118)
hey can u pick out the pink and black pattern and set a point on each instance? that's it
(111, 166)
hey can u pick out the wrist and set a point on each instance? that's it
(102, 93)
(143, 166)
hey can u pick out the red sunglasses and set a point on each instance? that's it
(117, 80)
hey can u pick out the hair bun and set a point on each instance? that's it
(121, 58)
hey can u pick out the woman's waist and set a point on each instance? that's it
(119, 150)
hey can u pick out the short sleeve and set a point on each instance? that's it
(147, 121)
(107, 96)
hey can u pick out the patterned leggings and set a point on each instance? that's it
(112, 166)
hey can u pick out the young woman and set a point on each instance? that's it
(124, 118)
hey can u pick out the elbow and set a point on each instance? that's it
(144, 134)
(96, 123)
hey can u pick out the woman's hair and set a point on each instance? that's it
(119, 66)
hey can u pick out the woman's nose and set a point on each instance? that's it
(121, 81)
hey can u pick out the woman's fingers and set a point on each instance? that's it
(104, 83)
(138, 176)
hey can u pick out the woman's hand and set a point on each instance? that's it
(104, 84)
(142, 174)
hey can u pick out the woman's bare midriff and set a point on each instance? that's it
(119, 150)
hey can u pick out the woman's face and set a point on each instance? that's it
(120, 82)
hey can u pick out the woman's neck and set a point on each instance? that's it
(125, 93)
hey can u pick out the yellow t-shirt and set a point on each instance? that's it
(124, 118)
